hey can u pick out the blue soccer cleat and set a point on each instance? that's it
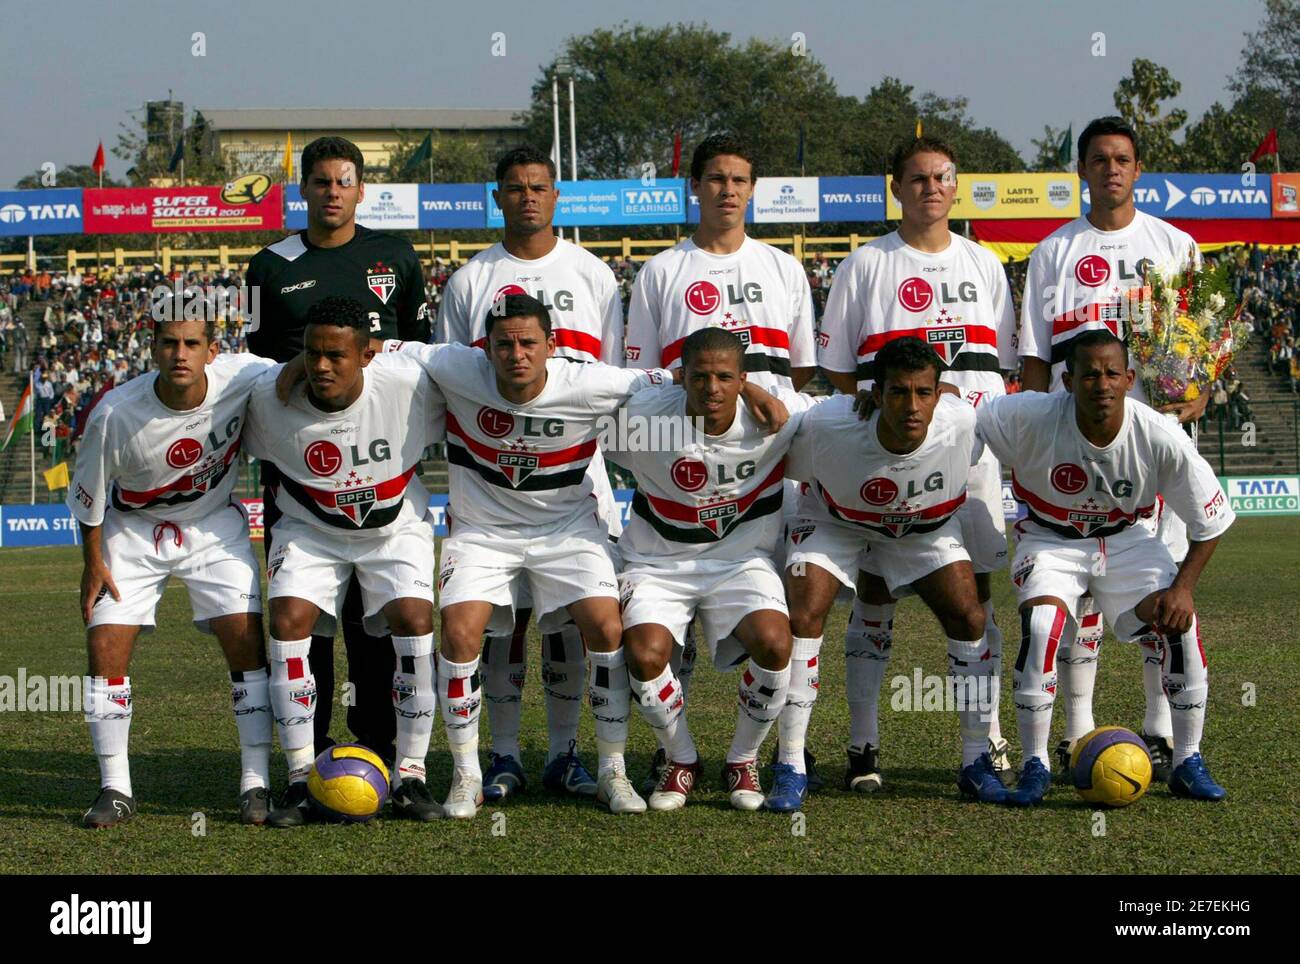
(504, 778)
(1035, 779)
(566, 774)
(1191, 780)
(789, 789)
(979, 781)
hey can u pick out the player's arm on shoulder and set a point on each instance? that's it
(769, 411)
(608, 388)
(264, 403)
(454, 324)
(447, 364)
(998, 424)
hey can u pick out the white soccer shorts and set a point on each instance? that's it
(1120, 571)
(309, 563)
(211, 556)
(558, 569)
(720, 593)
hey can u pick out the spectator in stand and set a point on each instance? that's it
(1295, 372)
(20, 346)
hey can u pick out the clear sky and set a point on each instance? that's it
(74, 72)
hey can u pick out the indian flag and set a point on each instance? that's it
(23, 416)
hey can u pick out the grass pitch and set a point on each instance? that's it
(184, 760)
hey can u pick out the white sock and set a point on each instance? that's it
(1078, 665)
(685, 669)
(1156, 722)
(1187, 684)
(661, 703)
(293, 700)
(564, 670)
(993, 637)
(762, 697)
(504, 671)
(970, 667)
(792, 728)
(109, 707)
(250, 693)
(1034, 682)
(611, 702)
(461, 703)
(868, 643)
(415, 701)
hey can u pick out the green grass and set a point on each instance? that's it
(184, 759)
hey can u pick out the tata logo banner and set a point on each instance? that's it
(250, 203)
(52, 211)
(37, 525)
(452, 206)
(1006, 196)
(852, 198)
(386, 207)
(1263, 495)
(693, 209)
(787, 199)
(1199, 196)
(584, 203)
(1286, 195)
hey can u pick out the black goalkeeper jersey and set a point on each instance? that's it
(378, 270)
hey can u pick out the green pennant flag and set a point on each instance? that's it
(421, 156)
(1066, 147)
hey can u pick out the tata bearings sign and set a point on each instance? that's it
(649, 201)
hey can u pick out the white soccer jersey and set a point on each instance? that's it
(355, 471)
(857, 481)
(1080, 491)
(139, 456)
(1079, 279)
(523, 467)
(759, 293)
(578, 289)
(958, 301)
(702, 496)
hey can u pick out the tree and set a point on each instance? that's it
(1048, 157)
(1268, 84)
(455, 160)
(1137, 99)
(1222, 140)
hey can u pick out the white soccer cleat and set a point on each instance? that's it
(743, 787)
(675, 783)
(465, 797)
(615, 792)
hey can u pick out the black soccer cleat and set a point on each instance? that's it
(294, 809)
(1063, 775)
(1161, 752)
(110, 808)
(254, 806)
(863, 774)
(413, 800)
(657, 764)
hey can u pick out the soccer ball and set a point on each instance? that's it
(1111, 766)
(348, 782)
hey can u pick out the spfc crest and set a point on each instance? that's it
(1086, 522)
(946, 342)
(382, 281)
(799, 533)
(403, 691)
(720, 517)
(356, 505)
(898, 522)
(517, 466)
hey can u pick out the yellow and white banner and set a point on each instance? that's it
(1005, 196)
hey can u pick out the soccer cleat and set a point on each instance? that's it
(999, 754)
(566, 774)
(1063, 751)
(465, 796)
(615, 792)
(743, 787)
(294, 808)
(504, 778)
(789, 789)
(110, 808)
(980, 781)
(863, 774)
(1161, 751)
(254, 806)
(815, 780)
(657, 764)
(1032, 786)
(1192, 780)
(675, 782)
(413, 799)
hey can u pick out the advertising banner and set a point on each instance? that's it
(786, 199)
(584, 203)
(386, 207)
(1199, 196)
(250, 203)
(1006, 196)
(44, 211)
(852, 198)
(38, 525)
(452, 206)
(1286, 195)
(1263, 494)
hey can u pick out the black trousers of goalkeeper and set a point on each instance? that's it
(371, 660)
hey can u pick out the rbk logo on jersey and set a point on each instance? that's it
(517, 466)
(946, 342)
(382, 281)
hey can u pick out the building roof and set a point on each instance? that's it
(366, 118)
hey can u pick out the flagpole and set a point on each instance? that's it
(31, 436)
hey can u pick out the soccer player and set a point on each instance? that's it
(926, 282)
(1080, 279)
(893, 488)
(152, 493)
(521, 429)
(705, 517)
(581, 293)
(1090, 464)
(721, 277)
(347, 448)
(336, 257)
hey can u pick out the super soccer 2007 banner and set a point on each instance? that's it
(250, 203)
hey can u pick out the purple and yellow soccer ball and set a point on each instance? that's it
(348, 782)
(1111, 766)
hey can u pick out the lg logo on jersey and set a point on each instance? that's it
(916, 294)
(324, 458)
(184, 452)
(563, 299)
(1093, 271)
(497, 424)
(691, 475)
(703, 297)
(881, 491)
(1072, 479)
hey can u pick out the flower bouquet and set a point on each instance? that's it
(1185, 330)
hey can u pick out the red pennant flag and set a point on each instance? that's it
(97, 165)
(1267, 146)
(677, 152)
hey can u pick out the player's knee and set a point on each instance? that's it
(965, 622)
(807, 623)
(410, 619)
(771, 647)
(644, 656)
